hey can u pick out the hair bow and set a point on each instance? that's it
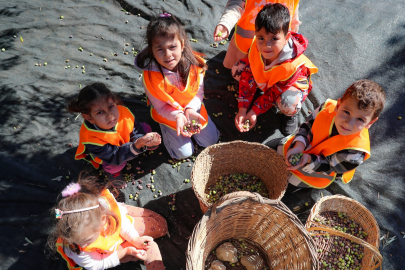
(165, 15)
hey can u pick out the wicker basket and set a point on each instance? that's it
(337, 203)
(238, 157)
(268, 224)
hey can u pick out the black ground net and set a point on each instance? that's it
(348, 40)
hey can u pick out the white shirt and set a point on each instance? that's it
(98, 261)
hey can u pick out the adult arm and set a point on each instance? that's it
(234, 10)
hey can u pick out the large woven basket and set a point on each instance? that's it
(238, 157)
(337, 203)
(268, 224)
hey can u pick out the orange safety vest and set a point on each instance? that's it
(245, 28)
(323, 144)
(163, 90)
(103, 244)
(282, 72)
(119, 136)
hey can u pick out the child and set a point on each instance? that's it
(95, 232)
(110, 135)
(243, 14)
(173, 80)
(277, 66)
(334, 140)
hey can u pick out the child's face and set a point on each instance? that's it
(104, 113)
(167, 51)
(350, 119)
(270, 45)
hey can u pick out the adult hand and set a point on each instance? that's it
(181, 121)
(223, 32)
(240, 119)
(252, 117)
(191, 116)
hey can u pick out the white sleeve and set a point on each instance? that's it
(232, 13)
(195, 103)
(162, 108)
(128, 231)
(94, 260)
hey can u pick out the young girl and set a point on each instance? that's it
(242, 13)
(110, 135)
(95, 232)
(173, 80)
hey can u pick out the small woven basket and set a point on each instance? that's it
(268, 224)
(238, 157)
(337, 203)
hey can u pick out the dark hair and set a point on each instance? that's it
(169, 27)
(71, 226)
(88, 96)
(370, 96)
(274, 18)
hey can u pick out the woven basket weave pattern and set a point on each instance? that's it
(238, 157)
(356, 211)
(268, 224)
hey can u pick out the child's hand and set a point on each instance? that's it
(149, 139)
(252, 117)
(240, 119)
(181, 121)
(133, 254)
(193, 115)
(153, 139)
(143, 242)
(303, 161)
(299, 147)
(220, 32)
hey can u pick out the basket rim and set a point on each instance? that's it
(201, 198)
(317, 206)
(254, 198)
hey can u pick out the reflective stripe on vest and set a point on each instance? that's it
(103, 244)
(323, 144)
(245, 27)
(163, 90)
(281, 72)
(70, 263)
(123, 128)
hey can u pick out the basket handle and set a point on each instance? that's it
(372, 248)
(233, 195)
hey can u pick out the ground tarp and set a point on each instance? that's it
(348, 40)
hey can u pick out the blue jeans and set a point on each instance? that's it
(180, 147)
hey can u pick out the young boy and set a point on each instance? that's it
(242, 13)
(277, 66)
(334, 141)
